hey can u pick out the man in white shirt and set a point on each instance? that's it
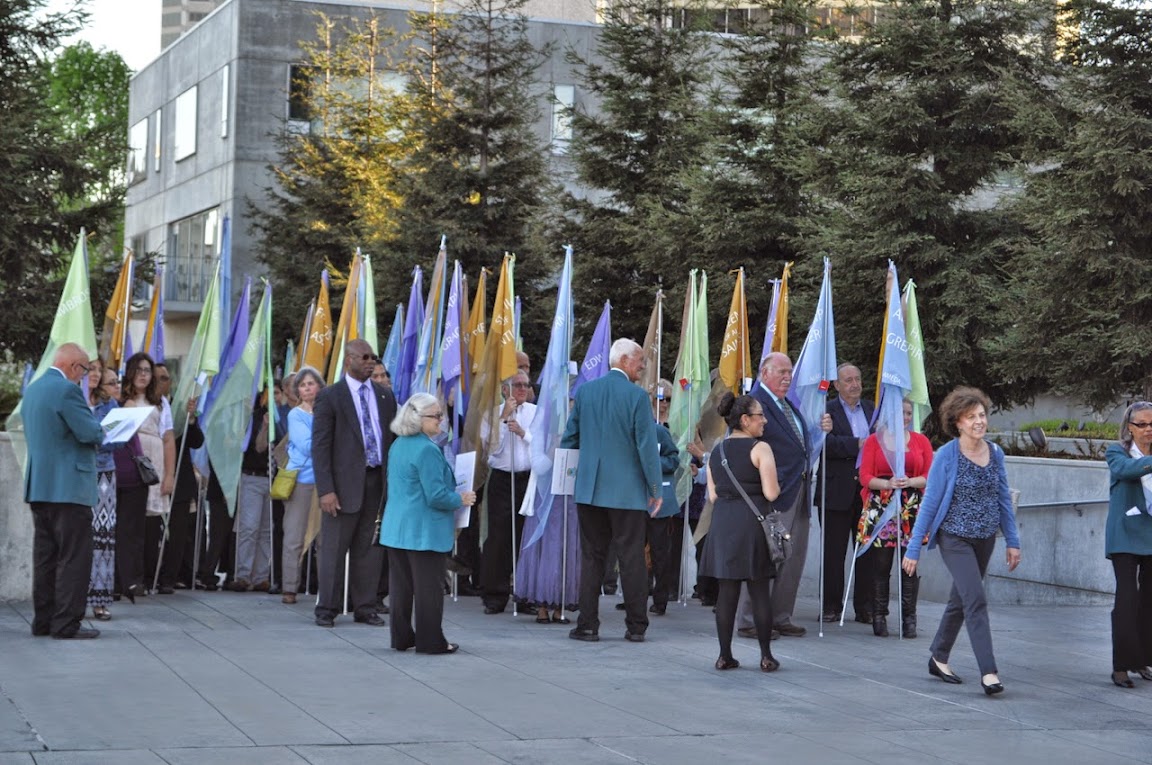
(509, 468)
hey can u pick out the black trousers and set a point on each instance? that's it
(1132, 612)
(351, 534)
(177, 566)
(277, 543)
(468, 544)
(500, 547)
(131, 514)
(839, 530)
(660, 548)
(599, 528)
(416, 581)
(61, 566)
(215, 539)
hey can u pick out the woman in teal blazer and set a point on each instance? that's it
(419, 526)
(1128, 544)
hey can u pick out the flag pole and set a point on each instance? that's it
(165, 520)
(198, 535)
(823, 530)
(848, 585)
(899, 568)
(513, 513)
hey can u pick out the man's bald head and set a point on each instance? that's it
(72, 360)
(359, 358)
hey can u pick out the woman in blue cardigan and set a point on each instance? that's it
(965, 502)
(1128, 544)
(419, 526)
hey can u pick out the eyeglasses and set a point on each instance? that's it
(369, 357)
(112, 383)
(1141, 425)
(756, 414)
(521, 385)
(437, 416)
(165, 378)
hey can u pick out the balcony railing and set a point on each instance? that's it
(186, 279)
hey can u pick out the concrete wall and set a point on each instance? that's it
(15, 529)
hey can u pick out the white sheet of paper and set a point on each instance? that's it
(564, 466)
(122, 423)
(465, 479)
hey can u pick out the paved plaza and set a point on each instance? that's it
(205, 678)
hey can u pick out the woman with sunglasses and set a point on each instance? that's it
(103, 391)
(1128, 544)
(419, 526)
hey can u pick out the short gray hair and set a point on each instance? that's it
(1125, 431)
(302, 374)
(408, 421)
(621, 349)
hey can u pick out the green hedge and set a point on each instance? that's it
(1105, 430)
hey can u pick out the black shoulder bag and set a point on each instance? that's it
(775, 533)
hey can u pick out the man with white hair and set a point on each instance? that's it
(60, 485)
(618, 481)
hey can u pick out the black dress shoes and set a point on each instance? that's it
(863, 617)
(371, 621)
(634, 637)
(588, 636)
(948, 677)
(325, 621)
(829, 617)
(788, 629)
(493, 610)
(657, 609)
(81, 633)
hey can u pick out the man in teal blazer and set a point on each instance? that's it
(618, 483)
(60, 485)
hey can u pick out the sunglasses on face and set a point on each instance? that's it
(369, 357)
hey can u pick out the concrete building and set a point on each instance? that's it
(178, 16)
(203, 115)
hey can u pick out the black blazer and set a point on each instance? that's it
(338, 445)
(791, 455)
(842, 448)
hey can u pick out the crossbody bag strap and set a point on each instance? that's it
(739, 488)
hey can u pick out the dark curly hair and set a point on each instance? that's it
(958, 403)
(733, 407)
(128, 389)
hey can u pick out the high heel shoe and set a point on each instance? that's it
(133, 590)
(991, 689)
(948, 677)
(1122, 680)
(768, 664)
(723, 663)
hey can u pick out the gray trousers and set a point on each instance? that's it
(296, 510)
(786, 585)
(967, 560)
(254, 530)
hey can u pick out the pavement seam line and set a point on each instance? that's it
(24, 717)
(263, 684)
(189, 685)
(594, 742)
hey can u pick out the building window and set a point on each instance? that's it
(225, 83)
(185, 127)
(300, 96)
(157, 141)
(138, 152)
(563, 100)
(191, 258)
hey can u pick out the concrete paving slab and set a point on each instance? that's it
(1022, 746)
(570, 751)
(16, 758)
(450, 754)
(121, 757)
(366, 754)
(264, 755)
(16, 735)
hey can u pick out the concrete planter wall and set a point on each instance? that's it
(15, 529)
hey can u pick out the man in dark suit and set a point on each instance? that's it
(851, 418)
(60, 485)
(350, 440)
(786, 432)
(618, 481)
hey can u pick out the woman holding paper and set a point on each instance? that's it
(1128, 544)
(306, 385)
(419, 526)
(103, 390)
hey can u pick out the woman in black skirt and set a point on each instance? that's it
(735, 550)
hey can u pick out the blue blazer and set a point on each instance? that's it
(937, 499)
(1127, 533)
(792, 461)
(611, 423)
(63, 436)
(669, 462)
(421, 497)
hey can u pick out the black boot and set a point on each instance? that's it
(880, 605)
(910, 590)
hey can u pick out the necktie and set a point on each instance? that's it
(784, 407)
(371, 448)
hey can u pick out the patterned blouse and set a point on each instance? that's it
(975, 510)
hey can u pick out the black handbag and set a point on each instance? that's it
(775, 533)
(148, 474)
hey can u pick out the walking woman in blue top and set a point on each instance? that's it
(1128, 544)
(965, 502)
